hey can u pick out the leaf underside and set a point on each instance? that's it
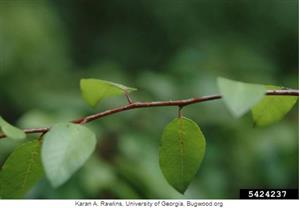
(240, 97)
(272, 109)
(21, 171)
(65, 149)
(182, 149)
(94, 90)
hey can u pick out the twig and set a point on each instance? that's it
(134, 105)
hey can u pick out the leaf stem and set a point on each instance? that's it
(128, 97)
(180, 111)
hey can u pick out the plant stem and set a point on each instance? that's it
(134, 105)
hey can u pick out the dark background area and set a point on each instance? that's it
(168, 49)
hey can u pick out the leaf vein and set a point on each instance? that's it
(181, 145)
(28, 169)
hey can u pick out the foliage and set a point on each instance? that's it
(181, 152)
(46, 47)
(272, 108)
(22, 170)
(94, 90)
(66, 147)
(240, 97)
(10, 130)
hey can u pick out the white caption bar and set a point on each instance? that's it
(147, 203)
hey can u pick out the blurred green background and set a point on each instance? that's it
(168, 49)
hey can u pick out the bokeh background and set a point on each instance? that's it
(168, 49)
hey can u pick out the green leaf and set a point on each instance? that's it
(94, 90)
(65, 149)
(181, 152)
(240, 97)
(272, 108)
(10, 131)
(21, 170)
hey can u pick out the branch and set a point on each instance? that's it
(134, 105)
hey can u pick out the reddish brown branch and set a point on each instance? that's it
(179, 103)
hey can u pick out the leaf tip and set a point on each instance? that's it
(94, 90)
(181, 190)
(11, 131)
(240, 97)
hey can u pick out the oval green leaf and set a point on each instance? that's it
(272, 109)
(11, 131)
(240, 97)
(94, 90)
(65, 149)
(182, 149)
(21, 171)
